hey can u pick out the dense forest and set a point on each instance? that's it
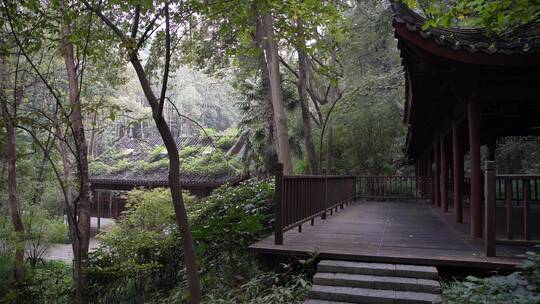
(315, 85)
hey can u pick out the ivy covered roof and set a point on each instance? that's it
(470, 40)
(132, 162)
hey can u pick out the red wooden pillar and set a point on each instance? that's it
(473, 113)
(437, 181)
(457, 155)
(490, 232)
(444, 175)
(431, 187)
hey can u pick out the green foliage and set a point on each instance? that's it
(51, 282)
(521, 287)
(156, 153)
(121, 166)
(147, 167)
(141, 257)
(225, 142)
(97, 167)
(498, 17)
(189, 151)
(213, 164)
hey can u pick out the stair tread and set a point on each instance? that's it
(414, 271)
(376, 282)
(366, 295)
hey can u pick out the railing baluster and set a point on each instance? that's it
(526, 198)
(509, 232)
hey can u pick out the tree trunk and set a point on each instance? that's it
(82, 202)
(280, 119)
(92, 147)
(11, 158)
(271, 157)
(174, 184)
(329, 155)
(306, 119)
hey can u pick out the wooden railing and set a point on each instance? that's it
(301, 198)
(394, 187)
(517, 192)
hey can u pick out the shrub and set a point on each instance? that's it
(156, 153)
(142, 255)
(521, 287)
(121, 166)
(225, 142)
(51, 282)
(97, 167)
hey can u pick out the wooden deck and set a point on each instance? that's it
(395, 232)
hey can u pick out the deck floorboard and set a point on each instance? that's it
(397, 232)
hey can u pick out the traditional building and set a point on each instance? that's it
(131, 163)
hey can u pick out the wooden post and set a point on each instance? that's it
(509, 198)
(278, 229)
(437, 182)
(526, 208)
(490, 209)
(98, 211)
(323, 216)
(473, 113)
(444, 176)
(457, 155)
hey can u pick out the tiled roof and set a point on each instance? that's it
(134, 150)
(470, 40)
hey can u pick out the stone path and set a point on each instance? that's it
(64, 252)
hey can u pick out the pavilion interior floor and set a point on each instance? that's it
(398, 232)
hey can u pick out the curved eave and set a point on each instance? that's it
(430, 46)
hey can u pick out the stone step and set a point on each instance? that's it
(377, 282)
(379, 269)
(371, 296)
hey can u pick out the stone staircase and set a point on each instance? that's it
(342, 282)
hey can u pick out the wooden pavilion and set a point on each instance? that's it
(109, 185)
(464, 90)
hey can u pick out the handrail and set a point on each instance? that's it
(300, 198)
(518, 191)
(395, 187)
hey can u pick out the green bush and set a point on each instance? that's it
(156, 153)
(141, 257)
(189, 151)
(225, 142)
(51, 282)
(97, 167)
(214, 164)
(521, 287)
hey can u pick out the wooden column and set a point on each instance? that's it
(437, 181)
(473, 113)
(444, 175)
(98, 211)
(457, 156)
(490, 232)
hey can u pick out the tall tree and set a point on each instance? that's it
(271, 55)
(9, 112)
(132, 43)
(81, 208)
